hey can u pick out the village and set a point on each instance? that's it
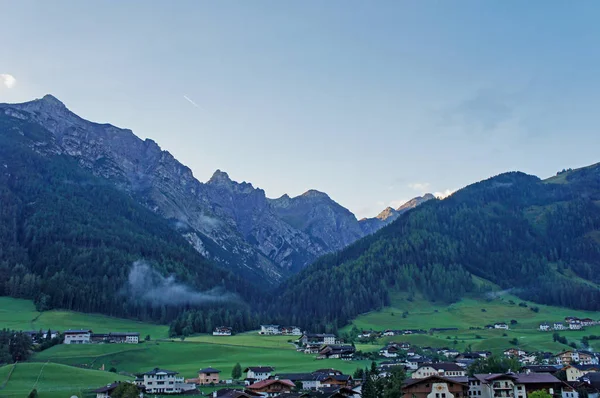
(428, 372)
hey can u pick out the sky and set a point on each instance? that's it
(373, 102)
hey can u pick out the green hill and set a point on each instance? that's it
(68, 239)
(51, 380)
(19, 314)
(537, 238)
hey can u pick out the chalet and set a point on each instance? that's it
(575, 372)
(335, 351)
(77, 336)
(328, 372)
(365, 334)
(125, 337)
(336, 381)
(291, 330)
(231, 393)
(309, 381)
(587, 322)
(482, 354)
(258, 373)
(319, 338)
(559, 326)
(391, 332)
(582, 357)
(575, 326)
(448, 353)
(222, 331)
(516, 385)
(444, 369)
(99, 338)
(390, 351)
(271, 387)
(544, 327)
(468, 356)
(501, 325)
(312, 348)
(435, 387)
(414, 363)
(514, 352)
(164, 382)
(206, 376)
(269, 329)
(106, 391)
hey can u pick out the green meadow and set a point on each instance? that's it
(51, 380)
(471, 316)
(21, 315)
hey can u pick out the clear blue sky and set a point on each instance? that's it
(372, 102)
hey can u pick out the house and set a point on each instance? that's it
(271, 387)
(501, 325)
(449, 353)
(444, 369)
(575, 372)
(164, 382)
(390, 351)
(320, 338)
(291, 330)
(312, 348)
(389, 332)
(258, 373)
(544, 327)
(77, 336)
(309, 381)
(107, 390)
(559, 326)
(231, 393)
(336, 381)
(435, 387)
(514, 352)
(335, 351)
(575, 326)
(587, 322)
(125, 337)
(514, 385)
(206, 376)
(99, 338)
(269, 329)
(414, 363)
(222, 331)
(582, 357)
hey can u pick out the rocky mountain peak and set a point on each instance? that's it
(314, 194)
(219, 177)
(386, 213)
(52, 101)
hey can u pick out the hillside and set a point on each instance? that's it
(536, 238)
(233, 224)
(50, 380)
(71, 240)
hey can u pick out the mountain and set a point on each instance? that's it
(71, 239)
(371, 225)
(540, 239)
(232, 224)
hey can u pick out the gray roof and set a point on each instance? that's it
(209, 370)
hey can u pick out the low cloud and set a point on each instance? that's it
(444, 194)
(146, 284)
(419, 186)
(7, 80)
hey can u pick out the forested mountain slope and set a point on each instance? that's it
(539, 238)
(69, 239)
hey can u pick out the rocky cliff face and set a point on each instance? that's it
(232, 223)
(372, 225)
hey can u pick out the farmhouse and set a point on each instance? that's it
(222, 331)
(269, 329)
(164, 382)
(271, 387)
(207, 376)
(291, 330)
(575, 326)
(106, 391)
(334, 351)
(575, 372)
(77, 336)
(319, 338)
(258, 373)
(390, 351)
(544, 327)
(501, 325)
(516, 385)
(582, 357)
(435, 387)
(115, 337)
(444, 369)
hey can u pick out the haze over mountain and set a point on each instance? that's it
(231, 223)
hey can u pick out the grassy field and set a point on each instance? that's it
(21, 315)
(52, 380)
(473, 313)
(187, 357)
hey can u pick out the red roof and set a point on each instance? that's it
(268, 382)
